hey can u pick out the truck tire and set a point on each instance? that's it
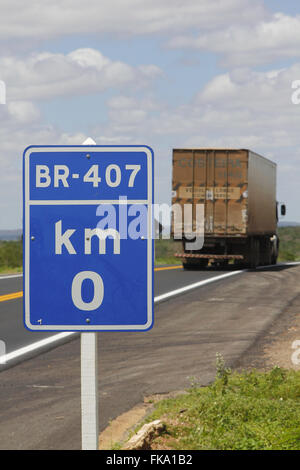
(194, 264)
(266, 251)
(253, 253)
(274, 250)
(256, 252)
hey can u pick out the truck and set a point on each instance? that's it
(237, 188)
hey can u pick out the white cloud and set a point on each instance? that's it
(271, 39)
(242, 32)
(243, 107)
(20, 127)
(83, 71)
(247, 89)
(42, 20)
(240, 109)
(23, 111)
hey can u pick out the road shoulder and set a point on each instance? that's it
(278, 345)
(275, 346)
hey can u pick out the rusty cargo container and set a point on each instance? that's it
(238, 190)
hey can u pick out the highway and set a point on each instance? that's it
(40, 397)
(12, 331)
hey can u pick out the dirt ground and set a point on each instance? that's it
(280, 345)
(121, 428)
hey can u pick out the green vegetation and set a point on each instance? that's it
(11, 253)
(289, 248)
(239, 411)
(165, 250)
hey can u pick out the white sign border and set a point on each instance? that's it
(27, 203)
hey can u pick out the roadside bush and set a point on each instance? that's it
(164, 251)
(11, 254)
(251, 410)
(287, 256)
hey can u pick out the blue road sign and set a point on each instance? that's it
(88, 245)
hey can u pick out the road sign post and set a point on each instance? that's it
(89, 384)
(88, 249)
(89, 391)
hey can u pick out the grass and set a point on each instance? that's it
(239, 411)
(165, 250)
(11, 256)
(8, 270)
(289, 248)
(11, 251)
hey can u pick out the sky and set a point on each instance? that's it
(163, 73)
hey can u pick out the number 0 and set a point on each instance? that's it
(117, 171)
(77, 290)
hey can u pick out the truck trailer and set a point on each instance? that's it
(237, 188)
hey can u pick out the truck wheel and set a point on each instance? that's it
(187, 267)
(266, 254)
(194, 264)
(274, 250)
(257, 253)
(222, 264)
(254, 253)
(268, 258)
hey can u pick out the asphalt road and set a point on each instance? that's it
(40, 398)
(15, 335)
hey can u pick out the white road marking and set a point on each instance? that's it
(34, 346)
(11, 276)
(181, 290)
(57, 337)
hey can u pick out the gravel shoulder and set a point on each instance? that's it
(279, 345)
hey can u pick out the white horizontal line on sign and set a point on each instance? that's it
(86, 202)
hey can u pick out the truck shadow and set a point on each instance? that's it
(276, 267)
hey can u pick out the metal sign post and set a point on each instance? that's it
(89, 383)
(85, 270)
(89, 391)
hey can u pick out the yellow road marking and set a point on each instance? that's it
(168, 267)
(14, 295)
(17, 295)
